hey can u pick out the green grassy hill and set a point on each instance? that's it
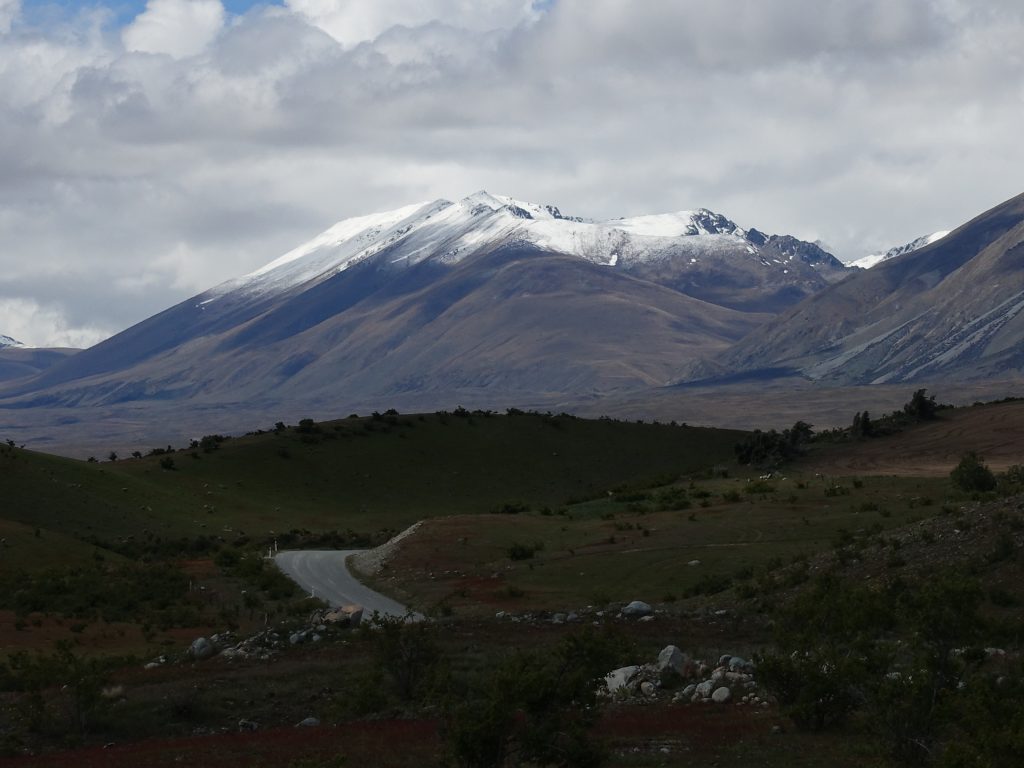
(361, 474)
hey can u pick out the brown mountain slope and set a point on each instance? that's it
(952, 310)
(517, 319)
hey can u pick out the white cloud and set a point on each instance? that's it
(9, 10)
(35, 326)
(355, 21)
(179, 28)
(128, 182)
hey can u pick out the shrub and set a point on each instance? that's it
(972, 475)
(513, 508)
(533, 708)
(520, 551)
(773, 447)
(408, 651)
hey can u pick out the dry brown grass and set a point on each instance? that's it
(932, 449)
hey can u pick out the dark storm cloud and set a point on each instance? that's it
(135, 171)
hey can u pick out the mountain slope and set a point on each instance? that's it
(954, 308)
(19, 362)
(514, 319)
(486, 294)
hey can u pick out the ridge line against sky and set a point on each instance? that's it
(149, 150)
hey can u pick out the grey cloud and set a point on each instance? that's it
(864, 122)
(736, 34)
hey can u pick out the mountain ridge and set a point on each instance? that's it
(867, 262)
(951, 308)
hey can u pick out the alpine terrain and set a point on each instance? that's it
(949, 310)
(487, 294)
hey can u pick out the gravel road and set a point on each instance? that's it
(325, 574)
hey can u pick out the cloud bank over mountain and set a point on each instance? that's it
(144, 160)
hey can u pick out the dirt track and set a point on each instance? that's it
(995, 432)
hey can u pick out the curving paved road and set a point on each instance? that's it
(324, 574)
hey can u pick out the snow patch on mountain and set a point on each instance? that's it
(680, 224)
(7, 341)
(867, 262)
(447, 232)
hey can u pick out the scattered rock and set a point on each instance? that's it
(345, 616)
(703, 690)
(721, 695)
(738, 664)
(671, 658)
(247, 725)
(201, 649)
(620, 679)
(309, 722)
(637, 609)
(648, 689)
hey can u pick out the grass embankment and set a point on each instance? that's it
(363, 474)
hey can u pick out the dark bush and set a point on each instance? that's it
(972, 475)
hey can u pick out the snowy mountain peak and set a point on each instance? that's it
(867, 262)
(445, 233)
(679, 224)
(7, 341)
(518, 208)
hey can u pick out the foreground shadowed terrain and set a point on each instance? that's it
(538, 530)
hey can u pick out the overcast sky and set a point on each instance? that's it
(149, 150)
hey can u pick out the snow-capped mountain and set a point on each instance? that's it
(447, 232)
(867, 262)
(488, 293)
(700, 253)
(7, 342)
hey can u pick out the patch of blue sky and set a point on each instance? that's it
(122, 11)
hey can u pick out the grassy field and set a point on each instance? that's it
(366, 475)
(659, 545)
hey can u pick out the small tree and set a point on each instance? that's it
(862, 425)
(972, 475)
(922, 407)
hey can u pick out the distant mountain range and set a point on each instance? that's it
(504, 299)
